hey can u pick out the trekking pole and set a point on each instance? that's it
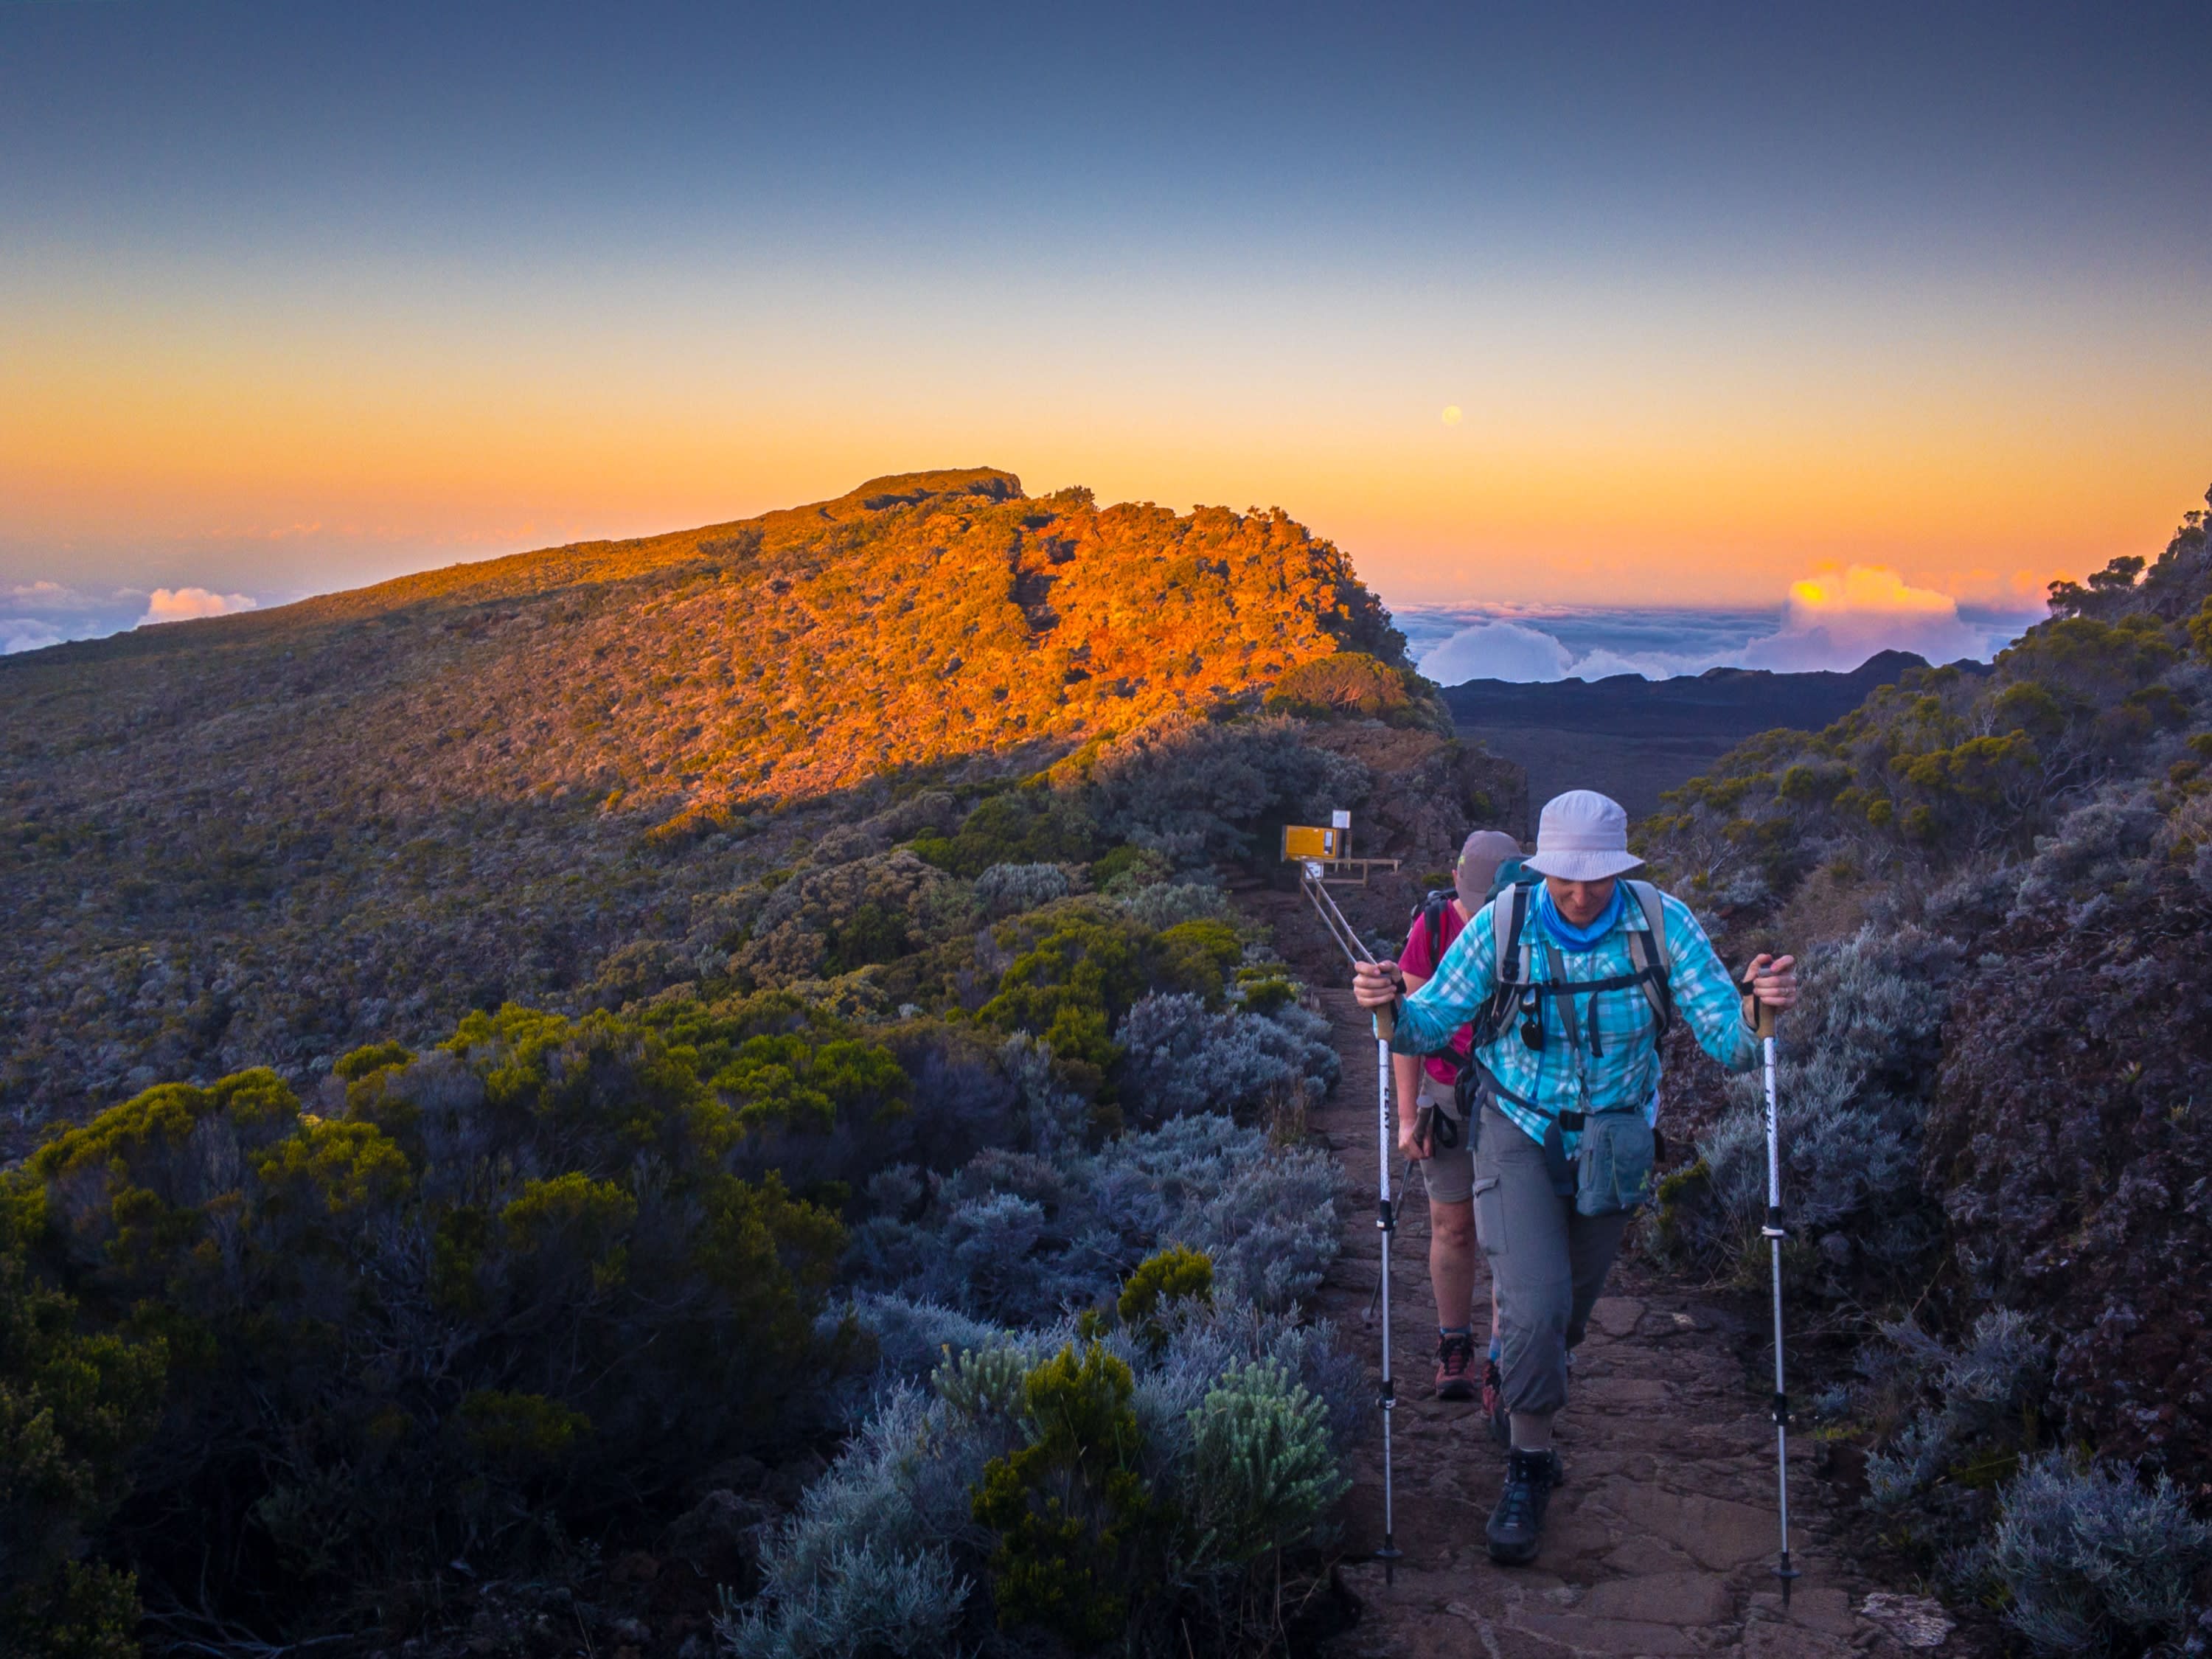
(1775, 1232)
(1386, 1215)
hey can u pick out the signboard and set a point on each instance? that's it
(1340, 819)
(1305, 842)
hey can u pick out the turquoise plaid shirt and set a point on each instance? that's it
(1564, 1076)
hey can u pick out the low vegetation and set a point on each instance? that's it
(1994, 1141)
(699, 1093)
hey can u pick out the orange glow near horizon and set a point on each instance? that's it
(183, 448)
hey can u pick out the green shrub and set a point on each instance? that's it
(541, 1293)
(1031, 825)
(1129, 865)
(1263, 1475)
(1347, 682)
(1195, 955)
(73, 1408)
(1069, 987)
(1173, 1274)
(373, 1057)
(1078, 1533)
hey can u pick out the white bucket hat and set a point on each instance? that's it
(1583, 836)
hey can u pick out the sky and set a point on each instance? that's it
(1611, 307)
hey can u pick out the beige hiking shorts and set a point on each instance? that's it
(1448, 1172)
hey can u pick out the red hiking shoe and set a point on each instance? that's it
(1455, 1361)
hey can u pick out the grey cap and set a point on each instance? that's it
(1486, 849)
(1583, 836)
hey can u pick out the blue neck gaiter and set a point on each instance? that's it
(1566, 935)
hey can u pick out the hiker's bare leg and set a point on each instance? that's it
(1452, 1261)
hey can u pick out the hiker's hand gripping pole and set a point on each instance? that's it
(1767, 1016)
(1387, 980)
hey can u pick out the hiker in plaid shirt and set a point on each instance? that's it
(1567, 1030)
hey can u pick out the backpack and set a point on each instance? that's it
(1520, 992)
(1430, 915)
(1467, 1079)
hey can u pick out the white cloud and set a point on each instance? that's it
(1602, 663)
(40, 596)
(20, 634)
(1837, 619)
(1497, 651)
(167, 604)
(1834, 619)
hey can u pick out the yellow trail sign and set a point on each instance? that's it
(1305, 842)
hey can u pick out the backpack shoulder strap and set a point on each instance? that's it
(1508, 917)
(1511, 907)
(1430, 920)
(1647, 951)
(1648, 900)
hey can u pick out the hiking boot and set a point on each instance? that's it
(1454, 1360)
(1519, 1516)
(1493, 1404)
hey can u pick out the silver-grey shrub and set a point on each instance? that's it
(2094, 1561)
(1015, 1238)
(867, 1563)
(1268, 1215)
(1179, 1058)
(1985, 1387)
(1853, 1064)
(911, 1338)
(863, 1599)
(1163, 904)
(1006, 890)
(1248, 1414)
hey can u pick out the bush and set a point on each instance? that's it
(1006, 890)
(1077, 1532)
(1348, 682)
(1983, 1414)
(1069, 986)
(73, 1408)
(1234, 1429)
(1168, 903)
(1853, 1077)
(1193, 790)
(1178, 1058)
(515, 1285)
(1262, 1474)
(1197, 957)
(1030, 825)
(1013, 1238)
(1172, 1275)
(864, 1600)
(2094, 1562)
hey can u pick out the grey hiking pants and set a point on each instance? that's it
(1548, 1263)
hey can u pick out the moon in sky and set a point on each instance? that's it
(1451, 415)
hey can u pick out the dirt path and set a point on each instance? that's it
(1662, 1538)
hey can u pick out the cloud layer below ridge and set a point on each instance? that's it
(1835, 620)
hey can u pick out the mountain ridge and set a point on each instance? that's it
(260, 838)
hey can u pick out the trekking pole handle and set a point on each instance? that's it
(1386, 1017)
(1764, 1017)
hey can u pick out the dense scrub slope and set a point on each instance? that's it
(627, 1154)
(265, 839)
(1995, 1099)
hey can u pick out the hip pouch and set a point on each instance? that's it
(1612, 1165)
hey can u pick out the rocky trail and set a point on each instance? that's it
(1662, 1540)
